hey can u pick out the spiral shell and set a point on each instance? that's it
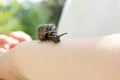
(45, 30)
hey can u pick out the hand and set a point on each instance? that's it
(10, 41)
(20, 36)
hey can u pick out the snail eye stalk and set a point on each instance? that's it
(62, 34)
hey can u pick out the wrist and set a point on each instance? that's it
(5, 70)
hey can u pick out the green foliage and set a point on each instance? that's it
(28, 16)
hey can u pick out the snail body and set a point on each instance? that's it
(48, 32)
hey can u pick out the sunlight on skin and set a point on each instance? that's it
(109, 41)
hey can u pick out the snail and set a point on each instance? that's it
(49, 32)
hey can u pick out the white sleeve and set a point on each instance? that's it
(86, 18)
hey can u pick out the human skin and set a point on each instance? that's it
(12, 39)
(71, 59)
(8, 42)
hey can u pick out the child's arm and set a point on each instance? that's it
(72, 59)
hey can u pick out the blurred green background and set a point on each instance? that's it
(27, 15)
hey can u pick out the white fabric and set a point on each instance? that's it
(86, 18)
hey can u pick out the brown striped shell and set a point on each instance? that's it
(45, 30)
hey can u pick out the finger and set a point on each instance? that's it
(2, 50)
(7, 42)
(3, 42)
(21, 36)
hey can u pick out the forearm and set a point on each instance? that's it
(88, 59)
